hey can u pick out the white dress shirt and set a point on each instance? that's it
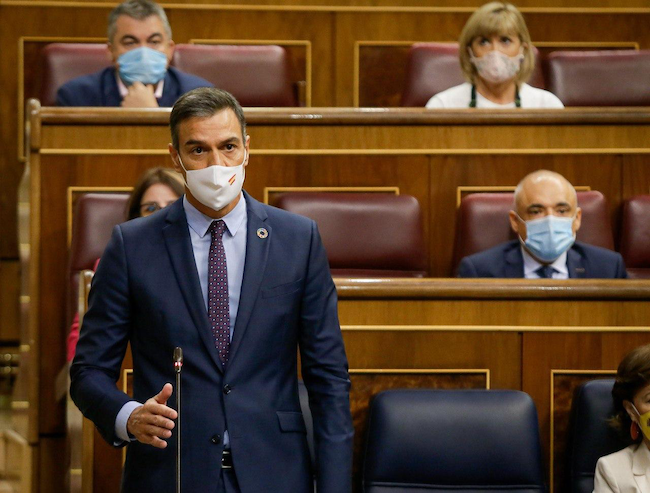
(560, 268)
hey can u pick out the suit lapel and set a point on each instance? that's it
(111, 93)
(257, 250)
(514, 267)
(179, 246)
(575, 264)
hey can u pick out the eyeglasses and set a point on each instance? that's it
(147, 208)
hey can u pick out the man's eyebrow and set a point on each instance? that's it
(128, 37)
(535, 206)
(562, 204)
(194, 142)
(154, 35)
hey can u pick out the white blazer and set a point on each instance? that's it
(626, 471)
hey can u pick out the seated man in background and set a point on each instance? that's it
(546, 219)
(141, 47)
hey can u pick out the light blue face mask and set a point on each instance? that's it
(142, 65)
(549, 237)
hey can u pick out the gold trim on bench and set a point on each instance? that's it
(270, 190)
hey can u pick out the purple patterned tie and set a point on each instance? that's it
(218, 308)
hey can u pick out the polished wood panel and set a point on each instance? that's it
(9, 301)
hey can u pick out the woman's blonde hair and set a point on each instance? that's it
(490, 19)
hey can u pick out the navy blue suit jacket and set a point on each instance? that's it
(146, 291)
(100, 89)
(506, 261)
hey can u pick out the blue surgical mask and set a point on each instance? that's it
(142, 65)
(549, 237)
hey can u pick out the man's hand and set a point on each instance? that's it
(140, 96)
(152, 422)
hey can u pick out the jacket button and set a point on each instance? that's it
(216, 439)
(226, 389)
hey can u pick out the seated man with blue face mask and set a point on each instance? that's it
(141, 47)
(546, 219)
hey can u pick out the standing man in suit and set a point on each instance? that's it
(240, 286)
(546, 219)
(141, 48)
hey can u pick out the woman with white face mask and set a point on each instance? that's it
(497, 59)
(628, 470)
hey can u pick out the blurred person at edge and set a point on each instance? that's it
(628, 470)
(497, 58)
(156, 189)
(546, 218)
(141, 48)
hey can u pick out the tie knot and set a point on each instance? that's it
(217, 228)
(545, 272)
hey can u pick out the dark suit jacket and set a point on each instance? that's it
(146, 291)
(100, 89)
(505, 260)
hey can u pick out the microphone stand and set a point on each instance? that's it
(178, 366)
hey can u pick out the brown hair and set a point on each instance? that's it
(496, 18)
(203, 103)
(164, 176)
(633, 374)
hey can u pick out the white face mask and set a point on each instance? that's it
(215, 186)
(496, 67)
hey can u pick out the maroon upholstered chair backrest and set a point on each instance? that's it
(482, 222)
(600, 78)
(255, 75)
(434, 67)
(95, 216)
(635, 236)
(365, 234)
(65, 61)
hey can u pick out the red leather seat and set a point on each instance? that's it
(434, 67)
(255, 75)
(479, 210)
(65, 61)
(95, 216)
(365, 234)
(600, 78)
(635, 236)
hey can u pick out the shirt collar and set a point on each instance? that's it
(531, 265)
(124, 90)
(200, 223)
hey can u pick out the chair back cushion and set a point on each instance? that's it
(365, 234)
(65, 61)
(478, 209)
(95, 216)
(590, 436)
(635, 236)
(255, 75)
(433, 67)
(600, 78)
(457, 441)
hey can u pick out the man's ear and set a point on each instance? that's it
(111, 54)
(577, 221)
(171, 47)
(516, 225)
(174, 155)
(247, 147)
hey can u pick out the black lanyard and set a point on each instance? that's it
(472, 102)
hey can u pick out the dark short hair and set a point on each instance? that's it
(633, 374)
(139, 10)
(203, 103)
(153, 176)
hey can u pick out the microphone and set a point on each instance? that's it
(178, 366)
